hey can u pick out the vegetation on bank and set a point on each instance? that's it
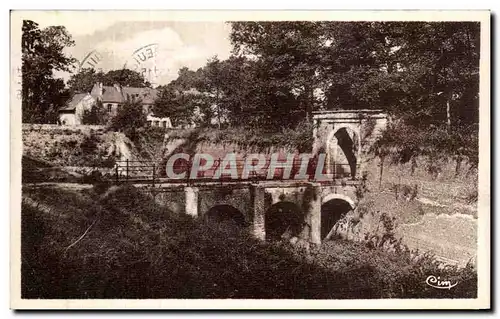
(403, 143)
(299, 138)
(118, 243)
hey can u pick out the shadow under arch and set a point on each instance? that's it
(282, 217)
(341, 139)
(225, 213)
(332, 210)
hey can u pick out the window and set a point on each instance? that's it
(109, 107)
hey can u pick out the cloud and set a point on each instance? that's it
(117, 44)
(76, 22)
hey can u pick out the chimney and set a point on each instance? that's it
(118, 87)
(97, 90)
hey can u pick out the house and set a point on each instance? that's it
(72, 112)
(111, 97)
(163, 122)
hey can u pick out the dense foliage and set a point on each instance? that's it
(427, 72)
(129, 119)
(84, 80)
(42, 54)
(96, 115)
(424, 74)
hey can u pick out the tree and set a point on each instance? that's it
(288, 56)
(42, 54)
(125, 77)
(84, 80)
(96, 115)
(178, 105)
(213, 79)
(129, 119)
(426, 70)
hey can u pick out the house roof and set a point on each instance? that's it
(71, 104)
(147, 95)
(112, 94)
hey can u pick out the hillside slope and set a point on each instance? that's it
(120, 244)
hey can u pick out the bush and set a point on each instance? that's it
(403, 143)
(129, 119)
(404, 191)
(96, 115)
(92, 177)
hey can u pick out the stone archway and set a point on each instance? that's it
(342, 148)
(330, 125)
(283, 217)
(333, 208)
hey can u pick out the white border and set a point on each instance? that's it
(482, 301)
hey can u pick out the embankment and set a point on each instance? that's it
(120, 244)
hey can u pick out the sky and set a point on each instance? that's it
(156, 48)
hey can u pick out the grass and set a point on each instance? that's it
(134, 248)
(452, 191)
(252, 139)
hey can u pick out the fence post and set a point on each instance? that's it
(154, 170)
(219, 161)
(127, 171)
(188, 165)
(116, 173)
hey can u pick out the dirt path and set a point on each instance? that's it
(452, 237)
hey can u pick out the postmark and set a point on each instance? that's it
(92, 60)
(147, 60)
(144, 60)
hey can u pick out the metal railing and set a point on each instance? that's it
(154, 172)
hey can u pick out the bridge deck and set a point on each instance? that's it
(167, 184)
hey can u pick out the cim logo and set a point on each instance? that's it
(437, 282)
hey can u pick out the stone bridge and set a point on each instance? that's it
(271, 208)
(312, 208)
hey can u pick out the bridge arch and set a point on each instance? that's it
(333, 208)
(222, 213)
(343, 197)
(283, 217)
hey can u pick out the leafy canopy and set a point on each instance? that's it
(42, 54)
